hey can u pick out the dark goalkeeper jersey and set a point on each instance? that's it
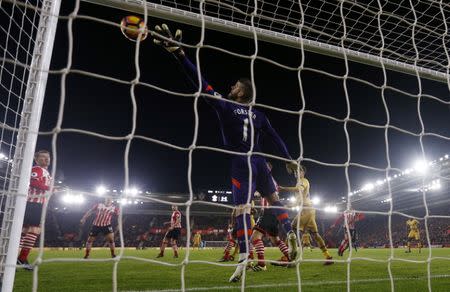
(235, 121)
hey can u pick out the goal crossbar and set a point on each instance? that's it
(243, 30)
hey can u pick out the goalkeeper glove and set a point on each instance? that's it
(169, 45)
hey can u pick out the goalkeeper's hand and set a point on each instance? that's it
(169, 45)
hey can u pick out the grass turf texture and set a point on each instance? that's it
(135, 275)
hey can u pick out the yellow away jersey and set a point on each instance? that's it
(303, 186)
(413, 224)
(197, 237)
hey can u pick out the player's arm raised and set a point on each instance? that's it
(172, 44)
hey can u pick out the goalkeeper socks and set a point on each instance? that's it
(241, 231)
(283, 248)
(259, 247)
(27, 244)
(282, 216)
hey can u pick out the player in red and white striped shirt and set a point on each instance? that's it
(349, 218)
(102, 224)
(173, 233)
(40, 183)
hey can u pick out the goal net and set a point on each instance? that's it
(354, 88)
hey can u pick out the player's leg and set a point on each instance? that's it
(408, 245)
(32, 221)
(322, 247)
(419, 242)
(310, 224)
(89, 243)
(173, 242)
(306, 240)
(267, 187)
(242, 196)
(344, 245)
(243, 231)
(28, 241)
(226, 253)
(112, 245)
(354, 237)
(259, 248)
(164, 243)
(235, 251)
(284, 260)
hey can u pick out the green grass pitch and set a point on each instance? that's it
(137, 275)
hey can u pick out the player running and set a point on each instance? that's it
(306, 221)
(239, 134)
(101, 224)
(172, 234)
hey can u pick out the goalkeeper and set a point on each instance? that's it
(236, 130)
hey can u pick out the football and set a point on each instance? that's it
(132, 27)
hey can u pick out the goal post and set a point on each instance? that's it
(192, 15)
(18, 177)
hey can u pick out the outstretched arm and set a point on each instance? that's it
(189, 68)
(269, 130)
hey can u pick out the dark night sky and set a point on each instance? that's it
(105, 107)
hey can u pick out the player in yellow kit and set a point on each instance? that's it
(306, 241)
(307, 217)
(196, 240)
(414, 234)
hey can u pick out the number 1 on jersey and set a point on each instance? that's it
(245, 130)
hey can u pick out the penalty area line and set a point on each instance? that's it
(281, 285)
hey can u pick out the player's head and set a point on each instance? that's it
(241, 91)
(108, 201)
(302, 170)
(42, 158)
(174, 208)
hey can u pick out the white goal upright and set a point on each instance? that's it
(27, 37)
(406, 36)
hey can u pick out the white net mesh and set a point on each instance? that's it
(411, 35)
(18, 30)
(356, 22)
